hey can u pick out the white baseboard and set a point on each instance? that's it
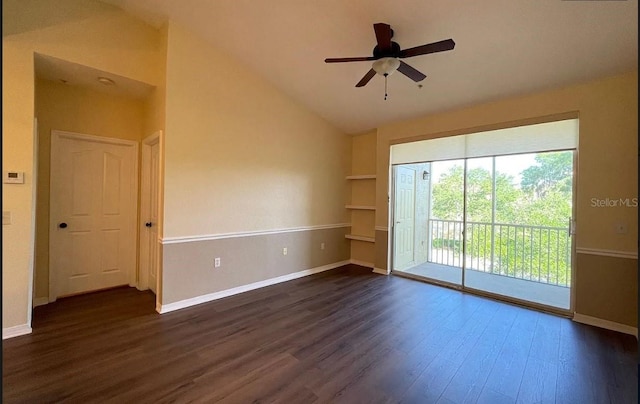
(40, 301)
(606, 324)
(380, 271)
(166, 308)
(16, 331)
(362, 263)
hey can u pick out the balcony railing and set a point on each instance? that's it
(537, 253)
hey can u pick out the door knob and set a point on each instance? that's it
(148, 224)
(62, 225)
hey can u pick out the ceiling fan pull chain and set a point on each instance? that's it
(385, 86)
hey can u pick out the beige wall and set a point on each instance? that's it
(88, 33)
(607, 164)
(608, 288)
(73, 109)
(240, 156)
(363, 153)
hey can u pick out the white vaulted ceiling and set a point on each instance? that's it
(503, 48)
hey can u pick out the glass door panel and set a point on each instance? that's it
(479, 218)
(527, 240)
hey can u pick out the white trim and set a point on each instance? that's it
(145, 207)
(608, 253)
(606, 324)
(206, 237)
(32, 228)
(16, 331)
(40, 301)
(382, 228)
(361, 177)
(380, 271)
(94, 138)
(165, 308)
(362, 263)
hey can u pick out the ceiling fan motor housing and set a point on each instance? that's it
(393, 52)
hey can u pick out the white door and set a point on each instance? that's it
(149, 212)
(93, 209)
(404, 215)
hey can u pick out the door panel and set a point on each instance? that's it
(93, 192)
(404, 218)
(153, 217)
(149, 210)
(111, 184)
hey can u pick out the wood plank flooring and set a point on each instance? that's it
(342, 336)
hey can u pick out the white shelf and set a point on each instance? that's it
(361, 177)
(360, 238)
(360, 207)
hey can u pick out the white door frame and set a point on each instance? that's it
(143, 265)
(33, 235)
(56, 136)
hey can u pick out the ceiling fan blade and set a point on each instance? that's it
(366, 78)
(356, 59)
(410, 72)
(434, 47)
(383, 36)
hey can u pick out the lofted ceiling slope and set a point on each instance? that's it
(503, 48)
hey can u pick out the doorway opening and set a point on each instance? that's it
(70, 101)
(499, 224)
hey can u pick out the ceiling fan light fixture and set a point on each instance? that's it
(386, 66)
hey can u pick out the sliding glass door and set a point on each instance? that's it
(490, 211)
(518, 226)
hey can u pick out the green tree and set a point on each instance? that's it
(543, 201)
(448, 194)
(553, 171)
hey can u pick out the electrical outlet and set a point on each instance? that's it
(216, 262)
(284, 251)
(322, 246)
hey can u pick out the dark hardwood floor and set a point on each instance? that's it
(342, 336)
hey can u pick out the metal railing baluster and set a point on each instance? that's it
(553, 257)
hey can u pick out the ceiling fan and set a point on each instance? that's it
(387, 55)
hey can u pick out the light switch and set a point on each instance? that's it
(6, 217)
